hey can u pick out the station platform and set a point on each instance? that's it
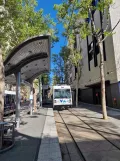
(36, 139)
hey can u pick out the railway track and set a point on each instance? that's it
(68, 124)
(99, 133)
(82, 158)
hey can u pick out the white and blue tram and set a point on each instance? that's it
(62, 96)
(9, 102)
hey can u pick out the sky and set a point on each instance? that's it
(47, 6)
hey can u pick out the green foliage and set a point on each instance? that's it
(19, 21)
(58, 70)
(56, 80)
(45, 78)
(85, 30)
(65, 53)
(75, 58)
(72, 14)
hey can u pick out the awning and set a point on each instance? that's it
(31, 58)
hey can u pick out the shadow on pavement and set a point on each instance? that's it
(111, 112)
(102, 146)
(92, 145)
(27, 139)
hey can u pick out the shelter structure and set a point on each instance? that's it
(25, 63)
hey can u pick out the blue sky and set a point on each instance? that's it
(47, 6)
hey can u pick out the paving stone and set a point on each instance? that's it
(66, 157)
(103, 156)
(75, 157)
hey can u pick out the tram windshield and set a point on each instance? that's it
(62, 93)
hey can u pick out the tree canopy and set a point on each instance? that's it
(58, 70)
(75, 16)
(20, 20)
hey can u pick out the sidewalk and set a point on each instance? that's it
(93, 114)
(103, 143)
(27, 138)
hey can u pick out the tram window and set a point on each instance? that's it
(7, 99)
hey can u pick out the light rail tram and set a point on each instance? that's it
(9, 102)
(62, 96)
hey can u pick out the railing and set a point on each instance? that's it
(7, 135)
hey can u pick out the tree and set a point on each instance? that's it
(65, 53)
(2, 85)
(58, 70)
(72, 57)
(45, 78)
(19, 21)
(76, 60)
(25, 91)
(55, 80)
(76, 16)
(70, 53)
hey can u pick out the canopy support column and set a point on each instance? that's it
(31, 100)
(40, 91)
(18, 78)
(34, 99)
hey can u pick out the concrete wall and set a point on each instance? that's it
(87, 95)
(115, 16)
(93, 76)
(115, 94)
(111, 65)
(109, 96)
(112, 92)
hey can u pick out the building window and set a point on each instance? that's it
(91, 51)
(88, 54)
(75, 72)
(96, 51)
(104, 51)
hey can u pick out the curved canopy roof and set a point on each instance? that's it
(32, 57)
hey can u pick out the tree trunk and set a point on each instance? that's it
(2, 85)
(77, 89)
(102, 76)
